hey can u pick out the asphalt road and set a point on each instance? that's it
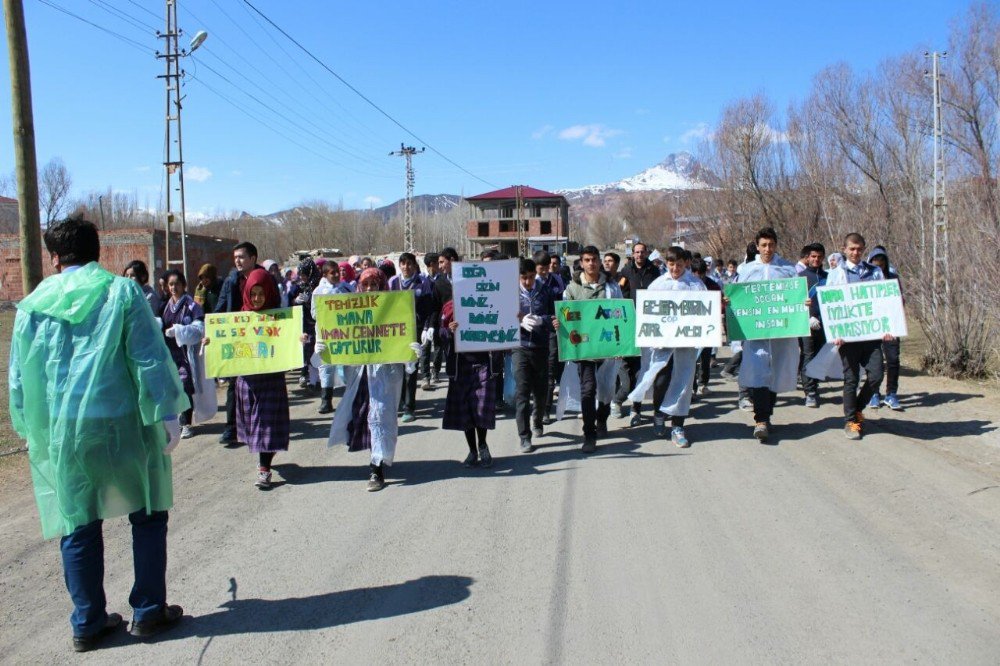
(812, 549)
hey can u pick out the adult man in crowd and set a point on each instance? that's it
(94, 391)
(231, 300)
(635, 276)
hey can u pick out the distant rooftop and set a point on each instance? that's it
(527, 193)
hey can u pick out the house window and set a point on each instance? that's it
(536, 210)
(546, 227)
(483, 229)
(505, 226)
(507, 212)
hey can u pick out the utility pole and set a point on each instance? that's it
(408, 152)
(25, 162)
(939, 226)
(173, 164)
(522, 240)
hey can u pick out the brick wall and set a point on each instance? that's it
(118, 248)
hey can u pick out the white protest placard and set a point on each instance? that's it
(678, 318)
(862, 310)
(486, 305)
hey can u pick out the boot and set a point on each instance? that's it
(376, 478)
(326, 401)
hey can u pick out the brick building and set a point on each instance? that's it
(120, 246)
(544, 217)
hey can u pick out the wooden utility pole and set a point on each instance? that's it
(25, 163)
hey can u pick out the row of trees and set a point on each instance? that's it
(857, 155)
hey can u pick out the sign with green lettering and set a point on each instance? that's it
(596, 328)
(253, 342)
(767, 310)
(486, 305)
(862, 311)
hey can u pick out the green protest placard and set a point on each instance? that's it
(862, 311)
(253, 343)
(373, 327)
(596, 328)
(767, 310)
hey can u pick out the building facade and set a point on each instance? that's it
(544, 219)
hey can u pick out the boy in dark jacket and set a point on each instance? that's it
(530, 360)
(890, 348)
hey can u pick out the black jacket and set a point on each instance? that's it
(638, 278)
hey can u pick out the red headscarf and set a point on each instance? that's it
(260, 278)
(347, 273)
(383, 281)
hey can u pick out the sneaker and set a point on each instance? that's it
(526, 445)
(375, 482)
(471, 460)
(228, 436)
(186, 432)
(812, 401)
(602, 428)
(726, 374)
(408, 417)
(589, 444)
(263, 479)
(427, 385)
(704, 390)
(636, 420)
(746, 404)
(548, 420)
(86, 643)
(167, 619)
(537, 431)
(616, 410)
(679, 439)
(892, 402)
(485, 459)
(852, 430)
(659, 426)
(875, 402)
(304, 381)
(761, 431)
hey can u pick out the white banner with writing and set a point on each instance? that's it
(486, 305)
(678, 318)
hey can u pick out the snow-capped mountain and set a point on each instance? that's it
(679, 171)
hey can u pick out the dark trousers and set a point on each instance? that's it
(890, 351)
(592, 412)
(763, 399)
(498, 380)
(733, 364)
(626, 378)
(83, 568)
(531, 374)
(555, 370)
(857, 355)
(702, 368)
(660, 385)
(408, 395)
(810, 345)
(426, 353)
(231, 403)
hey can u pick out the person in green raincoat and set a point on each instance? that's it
(93, 390)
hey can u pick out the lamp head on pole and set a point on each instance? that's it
(198, 40)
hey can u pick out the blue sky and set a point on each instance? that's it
(549, 94)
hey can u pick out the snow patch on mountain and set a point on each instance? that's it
(680, 171)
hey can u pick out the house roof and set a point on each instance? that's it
(527, 193)
(7, 200)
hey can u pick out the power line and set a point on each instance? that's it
(362, 96)
(131, 42)
(146, 9)
(123, 15)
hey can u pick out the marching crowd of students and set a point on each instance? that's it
(90, 383)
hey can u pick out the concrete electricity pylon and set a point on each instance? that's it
(939, 226)
(408, 152)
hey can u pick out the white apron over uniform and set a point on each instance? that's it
(385, 382)
(773, 364)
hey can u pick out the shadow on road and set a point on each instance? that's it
(935, 399)
(320, 611)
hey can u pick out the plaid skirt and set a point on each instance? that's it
(262, 412)
(359, 435)
(471, 401)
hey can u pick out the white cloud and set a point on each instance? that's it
(699, 132)
(143, 169)
(372, 201)
(197, 174)
(236, 173)
(541, 132)
(624, 154)
(593, 135)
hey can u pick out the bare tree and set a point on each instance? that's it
(54, 182)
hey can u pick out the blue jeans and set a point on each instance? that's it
(83, 568)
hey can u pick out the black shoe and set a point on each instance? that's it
(636, 420)
(589, 444)
(526, 445)
(376, 479)
(87, 643)
(326, 402)
(548, 420)
(659, 426)
(168, 618)
(601, 428)
(537, 431)
(471, 460)
(485, 459)
(228, 436)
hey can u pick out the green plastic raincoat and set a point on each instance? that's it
(90, 382)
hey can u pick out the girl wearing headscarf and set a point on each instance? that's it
(309, 277)
(262, 400)
(348, 275)
(329, 284)
(373, 395)
(206, 293)
(471, 402)
(272, 267)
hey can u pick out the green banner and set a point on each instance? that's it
(253, 343)
(596, 328)
(767, 310)
(373, 327)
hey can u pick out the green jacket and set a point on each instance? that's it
(90, 382)
(577, 291)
